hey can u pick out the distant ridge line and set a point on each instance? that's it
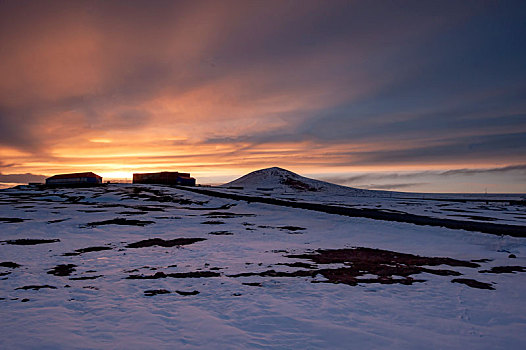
(375, 214)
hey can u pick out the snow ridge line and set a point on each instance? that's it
(491, 228)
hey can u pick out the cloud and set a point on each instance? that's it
(512, 168)
(485, 148)
(12, 134)
(393, 186)
(6, 165)
(367, 177)
(235, 84)
(376, 176)
(21, 178)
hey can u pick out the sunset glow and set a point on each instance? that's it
(332, 89)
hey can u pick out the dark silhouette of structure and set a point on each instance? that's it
(164, 178)
(75, 179)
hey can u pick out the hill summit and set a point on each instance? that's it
(282, 180)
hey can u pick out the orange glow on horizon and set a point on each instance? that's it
(220, 90)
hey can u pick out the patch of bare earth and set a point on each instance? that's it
(473, 283)
(11, 220)
(9, 264)
(298, 185)
(35, 287)
(182, 292)
(193, 274)
(388, 266)
(62, 270)
(31, 241)
(212, 222)
(120, 221)
(87, 250)
(505, 269)
(164, 243)
(152, 292)
(220, 233)
(359, 264)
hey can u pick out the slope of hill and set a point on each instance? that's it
(282, 180)
(282, 184)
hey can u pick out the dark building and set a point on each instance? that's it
(165, 178)
(75, 179)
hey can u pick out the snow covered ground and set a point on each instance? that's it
(79, 269)
(281, 183)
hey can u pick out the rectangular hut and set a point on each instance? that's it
(164, 178)
(74, 179)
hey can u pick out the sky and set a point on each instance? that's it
(420, 96)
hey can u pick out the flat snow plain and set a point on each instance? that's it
(84, 287)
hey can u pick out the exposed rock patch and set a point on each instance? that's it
(146, 208)
(9, 264)
(11, 220)
(193, 274)
(35, 287)
(85, 278)
(31, 241)
(473, 283)
(86, 250)
(292, 228)
(180, 292)
(298, 185)
(164, 243)
(505, 269)
(212, 222)
(220, 233)
(62, 270)
(121, 221)
(152, 292)
(368, 256)
(389, 267)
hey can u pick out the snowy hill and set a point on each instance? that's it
(282, 180)
(283, 184)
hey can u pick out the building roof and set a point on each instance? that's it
(161, 172)
(74, 175)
